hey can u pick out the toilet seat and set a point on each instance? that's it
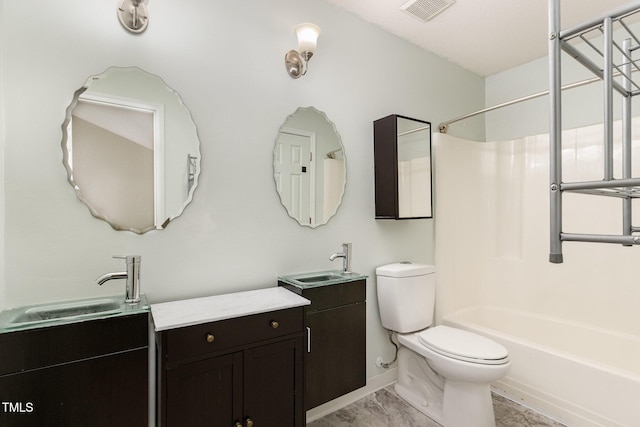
(463, 345)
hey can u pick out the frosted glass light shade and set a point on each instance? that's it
(307, 37)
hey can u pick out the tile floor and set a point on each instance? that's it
(384, 408)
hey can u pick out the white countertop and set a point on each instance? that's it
(176, 314)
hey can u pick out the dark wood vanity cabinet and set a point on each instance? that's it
(92, 373)
(239, 372)
(335, 353)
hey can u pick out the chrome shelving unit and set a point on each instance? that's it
(606, 47)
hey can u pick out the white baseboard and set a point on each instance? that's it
(373, 384)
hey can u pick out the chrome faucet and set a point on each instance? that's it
(346, 257)
(132, 275)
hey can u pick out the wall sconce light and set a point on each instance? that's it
(133, 15)
(296, 61)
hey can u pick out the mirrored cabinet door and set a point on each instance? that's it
(402, 151)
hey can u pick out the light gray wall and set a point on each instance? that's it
(532, 117)
(528, 118)
(225, 58)
(581, 106)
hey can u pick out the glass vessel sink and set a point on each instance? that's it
(58, 311)
(67, 312)
(320, 278)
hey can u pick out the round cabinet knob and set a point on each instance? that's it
(210, 338)
(237, 424)
(274, 324)
(249, 422)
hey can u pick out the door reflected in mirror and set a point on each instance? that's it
(131, 149)
(309, 167)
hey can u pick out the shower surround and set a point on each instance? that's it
(492, 246)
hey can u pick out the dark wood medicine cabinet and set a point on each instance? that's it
(403, 172)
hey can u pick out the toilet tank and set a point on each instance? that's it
(406, 296)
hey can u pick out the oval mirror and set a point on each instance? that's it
(309, 167)
(131, 149)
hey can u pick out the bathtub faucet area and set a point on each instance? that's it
(131, 275)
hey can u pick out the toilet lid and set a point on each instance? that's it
(463, 345)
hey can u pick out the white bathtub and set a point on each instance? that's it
(579, 375)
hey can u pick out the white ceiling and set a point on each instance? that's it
(483, 36)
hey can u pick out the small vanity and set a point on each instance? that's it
(82, 362)
(335, 326)
(231, 360)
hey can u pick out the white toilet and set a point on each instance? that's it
(442, 371)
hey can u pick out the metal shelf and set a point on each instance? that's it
(606, 47)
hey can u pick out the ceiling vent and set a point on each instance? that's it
(425, 10)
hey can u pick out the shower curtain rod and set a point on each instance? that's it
(444, 126)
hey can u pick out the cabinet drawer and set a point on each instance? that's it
(197, 340)
(337, 295)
